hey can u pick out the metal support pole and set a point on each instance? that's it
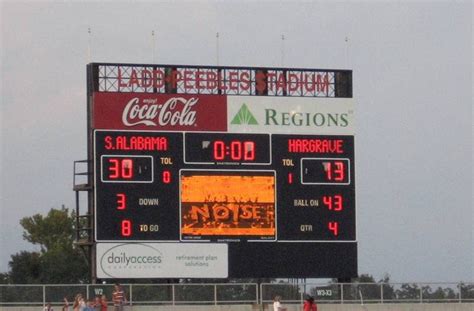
(153, 46)
(172, 294)
(217, 48)
(257, 297)
(282, 63)
(78, 236)
(215, 294)
(342, 293)
(131, 294)
(460, 292)
(89, 57)
(381, 293)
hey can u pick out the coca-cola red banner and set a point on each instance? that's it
(173, 112)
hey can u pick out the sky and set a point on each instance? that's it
(412, 84)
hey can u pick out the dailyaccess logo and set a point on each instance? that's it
(244, 116)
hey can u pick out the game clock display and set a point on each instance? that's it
(223, 187)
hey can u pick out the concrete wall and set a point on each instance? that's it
(321, 307)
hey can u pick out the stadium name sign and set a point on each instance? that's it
(232, 79)
(222, 80)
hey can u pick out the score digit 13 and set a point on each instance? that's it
(325, 171)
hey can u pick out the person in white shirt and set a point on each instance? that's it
(277, 306)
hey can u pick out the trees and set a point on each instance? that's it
(25, 267)
(58, 261)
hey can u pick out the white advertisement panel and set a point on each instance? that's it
(161, 260)
(295, 115)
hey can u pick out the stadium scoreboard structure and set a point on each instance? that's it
(216, 172)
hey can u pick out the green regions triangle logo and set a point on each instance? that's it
(244, 116)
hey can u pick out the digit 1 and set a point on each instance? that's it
(334, 227)
(126, 228)
(327, 168)
(121, 201)
(290, 178)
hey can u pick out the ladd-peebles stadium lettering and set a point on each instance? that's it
(231, 79)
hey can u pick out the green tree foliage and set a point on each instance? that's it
(25, 267)
(53, 231)
(58, 261)
(4, 278)
(365, 288)
(409, 292)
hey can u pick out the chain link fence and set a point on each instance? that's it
(243, 293)
(366, 293)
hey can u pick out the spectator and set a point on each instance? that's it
(97, 303)
(79, 303)
(48, 307)
(103, 303)
(309, 304)
(118, 297)
(65, 305)
(277, 306)
(89, 306)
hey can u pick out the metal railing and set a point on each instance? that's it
(243, 293)
(365, 293)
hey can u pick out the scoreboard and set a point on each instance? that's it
(216, 172)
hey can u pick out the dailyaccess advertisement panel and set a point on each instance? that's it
(257, 172)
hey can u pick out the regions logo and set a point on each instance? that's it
(244, 116)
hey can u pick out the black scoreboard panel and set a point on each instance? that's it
(279, 201)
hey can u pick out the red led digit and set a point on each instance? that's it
(219, 150)
(333, 202)
(120, 168)
(249, 150)
(126, 228)
(333, 227)
(166, 177)
(339, 171)
(121, 201)
(328, 170)
(334, 170)
(127, 168)
(290, 178)
(114, 168)
(338, 202)
(236, 150)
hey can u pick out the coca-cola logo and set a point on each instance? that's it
(175, 111)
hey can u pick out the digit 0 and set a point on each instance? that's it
(166, 177)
